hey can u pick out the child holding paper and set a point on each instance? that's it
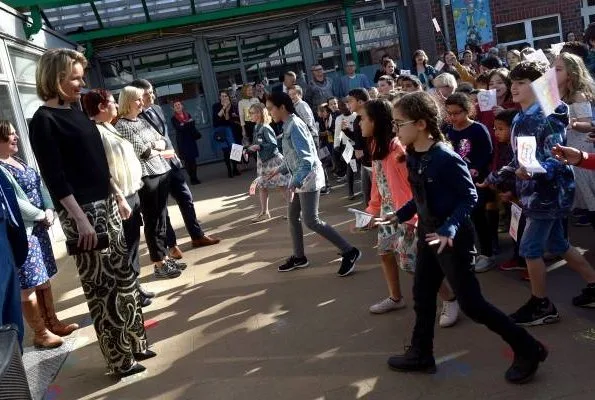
(268, 159)
(472, 142)
(343, 130)
(546, 198)
(503, 179)
(397, 244)
(443, 198)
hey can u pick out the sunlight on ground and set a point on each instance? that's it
(364, 386)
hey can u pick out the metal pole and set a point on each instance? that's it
(351, 34)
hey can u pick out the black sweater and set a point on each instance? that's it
(70, 154)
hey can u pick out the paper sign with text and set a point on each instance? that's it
(537, 56)
(362, 219)
(236, 152)
(546, 91)
(348, 153)
(439, 65)
(353, 165)
(515, 217)
(487, 99)
(526, 150)
(405, 72)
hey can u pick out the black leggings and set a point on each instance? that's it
(455, 264)
(232, 166)
(482, 225)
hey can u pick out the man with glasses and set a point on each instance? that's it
(320, 88)
(352, 80)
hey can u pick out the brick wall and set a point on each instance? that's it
(504, 11)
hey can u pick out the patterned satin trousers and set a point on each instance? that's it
(109, 284)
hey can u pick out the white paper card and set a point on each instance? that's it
(348, 153)
(353, 165)
(487, 99)
(546, 91)
(405, 72)
(323, 153)
(526, 149)
(515, 217)
(236, 152)
(436, 24)
(557, 48)
(362, 219)
(537, 56)
(439, 65)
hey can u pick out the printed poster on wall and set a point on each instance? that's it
(473, 22)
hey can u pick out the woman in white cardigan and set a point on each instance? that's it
(126, 172)
(38, 215)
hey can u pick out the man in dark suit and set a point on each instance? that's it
(178, 187)
(14, 248)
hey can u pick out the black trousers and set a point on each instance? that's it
(232, 166)
(179, 190)
(131, 228)
(481, 223)
(455, 264)
(153, 202)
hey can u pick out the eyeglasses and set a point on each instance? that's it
(453, 113)
(398, 125)
(317, 69)
(351, 65)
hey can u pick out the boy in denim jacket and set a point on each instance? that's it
(546, 199)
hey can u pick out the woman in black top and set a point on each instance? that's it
(73, 164)
(186, 136)
(223, 136)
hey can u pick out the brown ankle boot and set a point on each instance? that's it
(42, 338)
(46, 307)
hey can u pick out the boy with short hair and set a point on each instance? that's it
(546, 199)
(356, 99)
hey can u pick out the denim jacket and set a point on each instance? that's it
(301, 157)
(549, 195)
(264, 136)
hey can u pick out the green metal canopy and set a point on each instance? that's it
(87, 20)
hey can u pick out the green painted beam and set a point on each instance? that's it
(147, 15)
(192, 7)
(44, 3)
(97, 17)
(35, 26)
(218, 15)
(351, 34)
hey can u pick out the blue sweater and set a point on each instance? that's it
(549, 195)
(451, 194)
(346, 84)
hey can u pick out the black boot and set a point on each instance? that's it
(135, 369)
(414, 360)
(524, 366)
(191, 169)
(145, 355)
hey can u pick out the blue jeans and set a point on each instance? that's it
(10, 291)
(541, 235)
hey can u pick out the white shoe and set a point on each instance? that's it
(449, 314)
(387, 305)
(484, 264)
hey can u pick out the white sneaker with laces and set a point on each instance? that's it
(449, 314)
(387, 305)
(484, 264)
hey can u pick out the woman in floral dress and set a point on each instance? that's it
(268, 159)
(38, 215)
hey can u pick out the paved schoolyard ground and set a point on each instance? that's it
(232, 327)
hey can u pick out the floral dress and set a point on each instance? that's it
(40, 264)
(400, 239)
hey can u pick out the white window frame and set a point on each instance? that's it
(529, 38)
(586, 11)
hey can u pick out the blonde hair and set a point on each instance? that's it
(54, 66)
(264, 113)
(128, 95)
(579, 78)
(446, 79)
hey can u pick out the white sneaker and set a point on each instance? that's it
(387, 305)
(449, 314)
(484, 264)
